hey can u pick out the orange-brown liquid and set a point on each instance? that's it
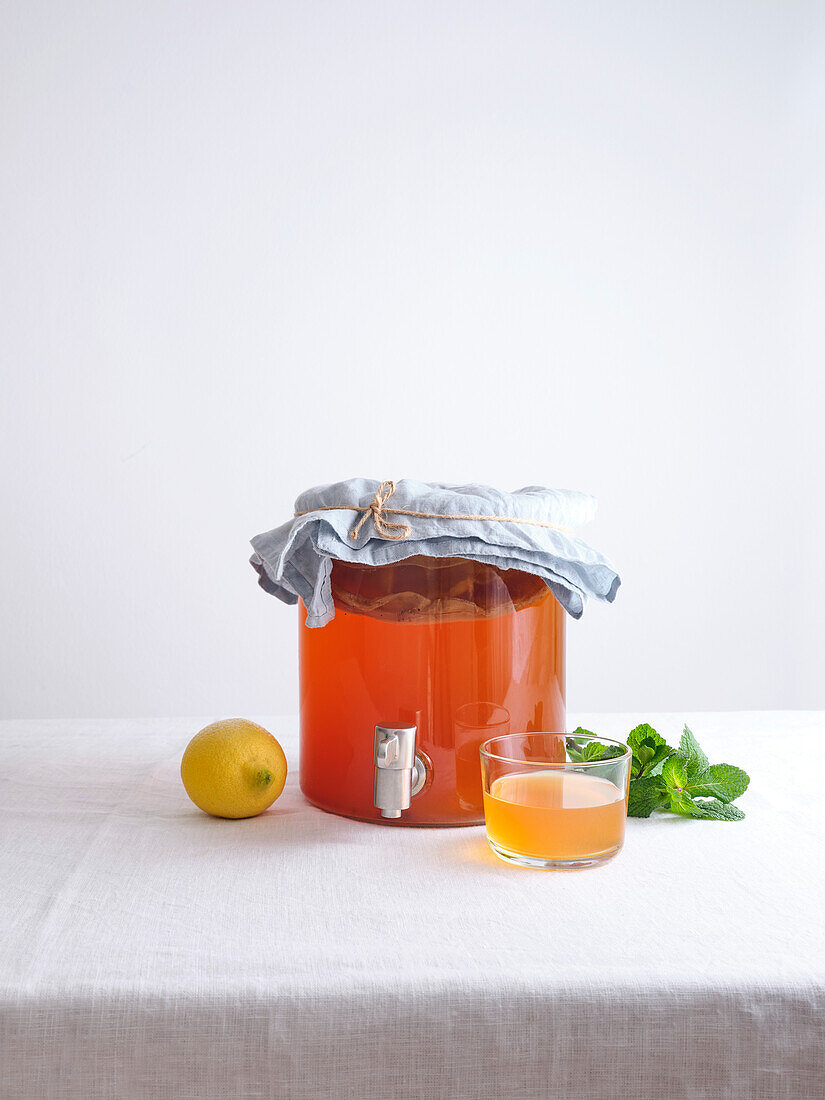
(556, 815)
(460, 650)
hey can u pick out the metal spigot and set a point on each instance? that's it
(400, 772)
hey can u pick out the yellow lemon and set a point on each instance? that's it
(233, 768)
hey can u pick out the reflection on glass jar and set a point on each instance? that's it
(475, 723)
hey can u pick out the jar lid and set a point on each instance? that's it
(376, 523)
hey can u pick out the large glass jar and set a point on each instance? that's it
(460, 650)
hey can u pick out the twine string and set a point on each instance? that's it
(378, 510)
(375, 509)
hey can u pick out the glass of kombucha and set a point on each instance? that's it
(555, 801)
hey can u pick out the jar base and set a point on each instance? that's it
(394, 822)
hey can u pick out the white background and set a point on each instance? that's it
(250, 247)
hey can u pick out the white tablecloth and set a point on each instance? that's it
(147, 950)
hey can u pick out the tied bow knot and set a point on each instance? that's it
(397, 531)
(375, 508)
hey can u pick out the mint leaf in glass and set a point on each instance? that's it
(575, 752)
(594, 750)
(591, 750)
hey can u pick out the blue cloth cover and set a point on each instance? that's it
(295, 559)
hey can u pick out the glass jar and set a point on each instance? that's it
(461, 651)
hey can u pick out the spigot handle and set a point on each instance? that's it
(386, 750)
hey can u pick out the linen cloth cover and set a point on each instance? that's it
(295, 560)
(149, 952)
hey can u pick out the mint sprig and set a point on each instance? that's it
(678, 781)
(649, 751)
(592, 750)
(646, 795)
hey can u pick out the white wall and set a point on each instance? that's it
(251, 247)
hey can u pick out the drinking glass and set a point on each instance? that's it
(473, 724)
(555, 801)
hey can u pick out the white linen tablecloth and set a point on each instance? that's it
(147, 950)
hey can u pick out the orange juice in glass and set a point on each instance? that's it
(555, 801)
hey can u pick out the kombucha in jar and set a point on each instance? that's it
(461, 650)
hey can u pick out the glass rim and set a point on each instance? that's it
(626, 754)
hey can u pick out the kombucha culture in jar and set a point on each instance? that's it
(460, 649)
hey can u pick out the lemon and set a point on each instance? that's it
(233, 768)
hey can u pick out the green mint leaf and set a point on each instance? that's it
(679, 802)
(714, 810)
(674, 773)
(663, 752)
(649, 750)
(590, 751)
(681, 780)
(594, 750)
(695, 760)
(576, 752)
(642, 733)
(643, 758)
(646, 795)
(722, 781)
